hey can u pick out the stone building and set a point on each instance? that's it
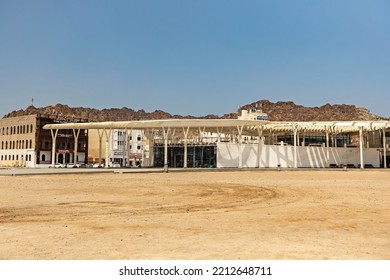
(24, 142)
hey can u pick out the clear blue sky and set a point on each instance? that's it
(194, 57)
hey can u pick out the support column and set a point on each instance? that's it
(259, 145)
(124, 144)
(219, 132)
(108, 136)
(295, 147)
(76, 134)
(384, 149)
(53, 146)
(151, 148)
(240, 128)
(185, 131)
(165, 134)
(361, 147)
(100, 146)
(327, 137)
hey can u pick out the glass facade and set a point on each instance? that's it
(198, 156)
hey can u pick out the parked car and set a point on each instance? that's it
(115, 165)
(57, 165)
(73, 165)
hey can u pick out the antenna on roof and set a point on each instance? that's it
(32, 101)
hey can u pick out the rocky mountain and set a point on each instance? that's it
(289, 111)
(279, 111)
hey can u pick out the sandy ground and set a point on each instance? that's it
(197, 215)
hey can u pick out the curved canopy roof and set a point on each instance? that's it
(213, 124)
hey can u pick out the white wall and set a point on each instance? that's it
(272, 156)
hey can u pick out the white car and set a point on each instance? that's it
(57, 165)
(115, 165)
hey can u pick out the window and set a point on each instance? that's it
(6, 145)
(5, 157)
(1, 157)
(17, 157)
(2, 145)
(30, 144)
(138, 147)
(31, 128)
(139, 138)
(43, 157)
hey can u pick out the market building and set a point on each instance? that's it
(252, 143)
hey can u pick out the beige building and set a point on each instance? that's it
(18, 140)
(24, 143)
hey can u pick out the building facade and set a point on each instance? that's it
(128, 148)
(24, 142)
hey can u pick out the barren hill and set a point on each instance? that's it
(279, 111)
(289, 111)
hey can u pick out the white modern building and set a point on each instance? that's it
(244, 143)
(128, 147)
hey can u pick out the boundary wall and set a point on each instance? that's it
(273, 155)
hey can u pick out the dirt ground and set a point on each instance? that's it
(197, 215)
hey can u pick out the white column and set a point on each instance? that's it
(384, 149)
(100, 146)
(240, 128)
(53, 146)
(295, 147)
(124, 144)
(165, 133)
(219, 134)
(259, 145)
(185, 131)
(76, 142)
(327, 137)
(108, 139)
(361, 147)
(151, 148)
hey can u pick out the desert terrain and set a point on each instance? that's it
(306, 214)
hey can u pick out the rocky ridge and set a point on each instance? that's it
(279, 111)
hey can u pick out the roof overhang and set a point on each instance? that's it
(212, 124)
